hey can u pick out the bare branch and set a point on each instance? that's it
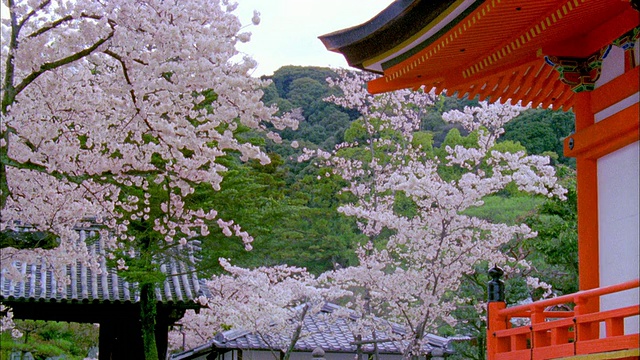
(32, 12)
(58, 22)
(64, 61)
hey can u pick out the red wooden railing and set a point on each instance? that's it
(556, 334)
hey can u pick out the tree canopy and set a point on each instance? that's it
(114, 114)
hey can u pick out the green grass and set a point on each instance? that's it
(508, 210)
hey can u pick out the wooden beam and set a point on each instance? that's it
(606, 136)
(615, 90)
(587, 189)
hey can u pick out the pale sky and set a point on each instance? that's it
(289, 29)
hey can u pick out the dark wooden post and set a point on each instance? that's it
(162, 333)
(496, 303)
(105, 345)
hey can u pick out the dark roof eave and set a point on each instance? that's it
(179, 304)
(392, 26)
(345, 37)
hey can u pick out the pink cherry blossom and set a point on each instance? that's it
(112, 111)
(410, 276)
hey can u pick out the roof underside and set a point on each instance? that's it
(495, 48)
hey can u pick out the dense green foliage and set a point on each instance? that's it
(47, 339)
(542, 132)
(305, 88)
(553, 254)
(555, 250)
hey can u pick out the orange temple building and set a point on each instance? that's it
(579, 55)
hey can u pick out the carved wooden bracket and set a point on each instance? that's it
(580, 74)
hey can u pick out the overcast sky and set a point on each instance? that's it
(289, 29)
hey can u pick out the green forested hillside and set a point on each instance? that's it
(290, 206)
(317, 237)
(539, 131)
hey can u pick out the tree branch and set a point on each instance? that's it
(125, 73)
(64, 61)
(60, 21)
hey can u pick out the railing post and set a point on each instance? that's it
(588, 331)
(538, 339)
(496, 302)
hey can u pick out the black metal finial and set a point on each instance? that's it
(496, 286)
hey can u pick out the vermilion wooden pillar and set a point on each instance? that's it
(587, 189)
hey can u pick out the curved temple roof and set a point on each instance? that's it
(492, 48)
(395, 25)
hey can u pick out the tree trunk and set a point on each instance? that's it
(296, 333)
(148, 322)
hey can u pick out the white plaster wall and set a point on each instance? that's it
(618, 213)
(612, 66)
(256, 355)
(267, 355)
(340, 356)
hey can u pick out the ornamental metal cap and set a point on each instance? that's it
(318, 353)
(496, 273)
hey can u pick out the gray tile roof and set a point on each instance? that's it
(331, 336)
(181, 285)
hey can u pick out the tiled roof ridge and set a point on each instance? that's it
(334, 339)
(86, 285)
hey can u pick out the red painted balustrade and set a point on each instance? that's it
(557, 334)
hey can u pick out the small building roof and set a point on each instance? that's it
(101, 296)
(332, 336)
(180, 288)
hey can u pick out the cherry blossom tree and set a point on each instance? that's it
(112, 112)
(270, 302)
(411, 203)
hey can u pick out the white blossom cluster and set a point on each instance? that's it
(271, 302)
(6, 322)
(410, 278)
(399, 110)
(107, 104)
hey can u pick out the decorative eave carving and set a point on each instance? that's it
(580, 74)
